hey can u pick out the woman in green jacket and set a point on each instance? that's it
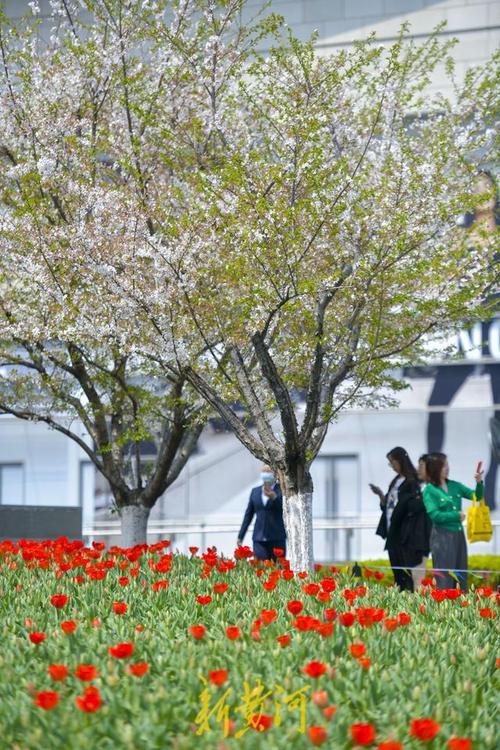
(443, 502)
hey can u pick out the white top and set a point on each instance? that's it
(392, 499)
(265, 498)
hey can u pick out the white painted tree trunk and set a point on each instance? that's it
(297, 516)
(134, 520)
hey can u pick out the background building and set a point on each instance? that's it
(449, 406)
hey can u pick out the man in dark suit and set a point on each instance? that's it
(266, 503)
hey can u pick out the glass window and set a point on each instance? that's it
(11, 484)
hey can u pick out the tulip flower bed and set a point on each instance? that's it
(144, 649)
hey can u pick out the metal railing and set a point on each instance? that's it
(111, 528)
(199, 526)
(202, 527)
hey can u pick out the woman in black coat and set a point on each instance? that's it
(404, 522)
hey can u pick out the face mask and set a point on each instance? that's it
(267, 477)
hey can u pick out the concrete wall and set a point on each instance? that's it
(51, 464)
(475, 23)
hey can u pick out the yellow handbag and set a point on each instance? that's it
(479, 528)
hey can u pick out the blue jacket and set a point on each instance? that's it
(269, 518)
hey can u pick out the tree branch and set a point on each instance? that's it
(211, 396)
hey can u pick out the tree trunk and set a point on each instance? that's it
(134, 521)
(297, 517)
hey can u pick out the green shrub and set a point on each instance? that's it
(476, 562)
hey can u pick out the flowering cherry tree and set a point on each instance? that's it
(76, 180)
(322, 250)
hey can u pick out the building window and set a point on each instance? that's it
(11, 484)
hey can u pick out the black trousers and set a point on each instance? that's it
(264, 550)
(399, 558)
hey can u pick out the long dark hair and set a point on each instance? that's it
(405, 465)
(433, 466)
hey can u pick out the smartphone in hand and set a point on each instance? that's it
(479, 467)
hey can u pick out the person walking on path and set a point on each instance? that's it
(266, 503)
(443, 502)
(404, 524)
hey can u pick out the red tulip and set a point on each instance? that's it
(487, 613)
(59, 600)
(204, 600)
(325, 629)
(320, 698)
(346, 619)
(46, 699)
(90, 701)
(328, 584)
(197, 631)
(121, 650)
(357, 650)
(269, 585)
(268, 616)
(391, 623)
(86, 672)
(68, 626)
(390, 745)
(37, 638)
(284, 640)
(305, 622)
(139, 669)
(311, 589)
(261, 722)
(314, 669)
(58, 672)
(119, 608)
(459, 743)
(363, 734)
(295, 607)
(317, 735)
(424, 729)
(218, 676)
(221, 588)
(233, 633)
(159, 585)
(438, 595)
